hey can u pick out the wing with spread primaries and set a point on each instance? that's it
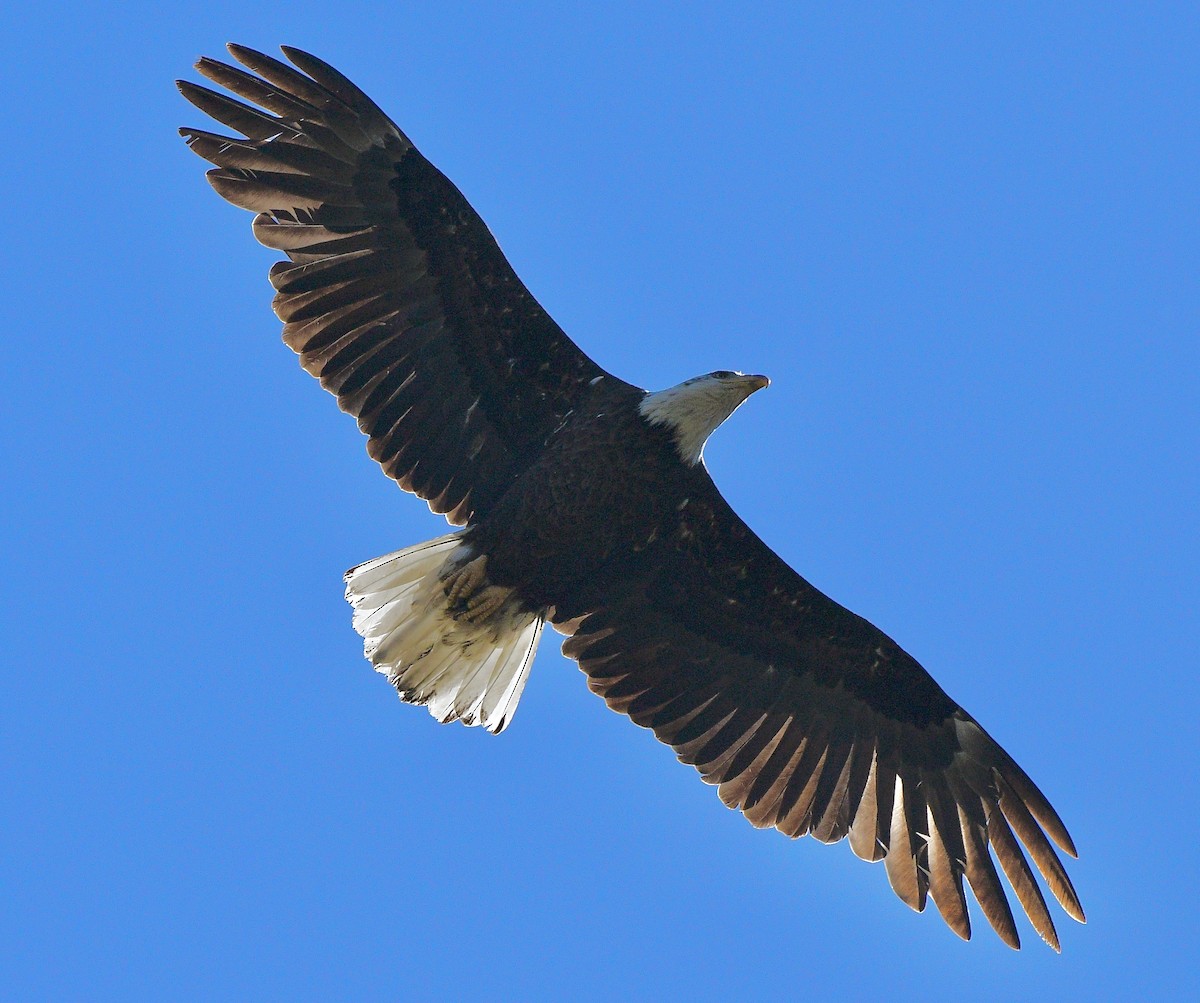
(394, 294)
(811, 720)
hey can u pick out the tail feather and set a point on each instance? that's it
(502, 692)
(461, 671)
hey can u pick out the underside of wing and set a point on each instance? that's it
(394, 294)
(811, 720)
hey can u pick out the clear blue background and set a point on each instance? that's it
(962, 241)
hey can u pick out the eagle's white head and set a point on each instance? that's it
(697, 406)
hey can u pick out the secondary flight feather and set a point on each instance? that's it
(584, 502)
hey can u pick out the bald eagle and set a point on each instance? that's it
(584, 502)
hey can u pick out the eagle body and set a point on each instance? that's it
(582, 501)
(601, 488)
(610, 482)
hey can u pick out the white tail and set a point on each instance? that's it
(462, 670)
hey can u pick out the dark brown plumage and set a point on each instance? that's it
(391, 275)
(582, 506)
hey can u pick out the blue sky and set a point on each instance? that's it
(962, 242)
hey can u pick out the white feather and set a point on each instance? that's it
(461, 671)
(694, 408)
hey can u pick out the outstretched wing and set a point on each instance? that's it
(395, 295)
(811, 720)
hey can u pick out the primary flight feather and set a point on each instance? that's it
(585, 503)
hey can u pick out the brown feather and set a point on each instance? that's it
(1043, 853)
(865, 837)
(795, 817)
(735, 789)
(240, 117)
(946, 856)
(344, 89)
(308, 91)
(829, 822)
(764, 801)
(751, 758)
(981, 872)
(253, 89)
(719, 751)
(907, 879)
(230, 153)
(1016, 869)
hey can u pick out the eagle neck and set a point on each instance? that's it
(691, 412)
